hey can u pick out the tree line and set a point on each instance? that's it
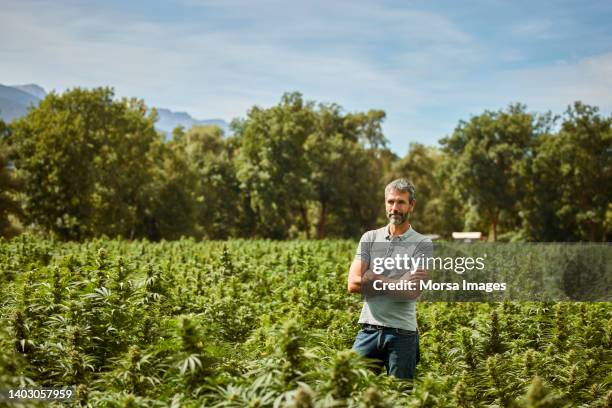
(84, 164)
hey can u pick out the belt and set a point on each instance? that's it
(366, 326)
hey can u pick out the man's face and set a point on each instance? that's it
(398, 207)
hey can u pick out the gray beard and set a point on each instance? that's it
(398, 221)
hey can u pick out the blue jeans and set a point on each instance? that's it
(396, 349)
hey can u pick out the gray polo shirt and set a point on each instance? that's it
(382, 310)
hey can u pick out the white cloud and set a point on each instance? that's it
(361, 55)
(175, 63)
(547, 87)
(538, 28)
(550, 87)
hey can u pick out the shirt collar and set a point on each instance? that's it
(402, 237)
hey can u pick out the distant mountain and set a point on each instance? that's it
(168, 120)
(33, 90)
(16, 100)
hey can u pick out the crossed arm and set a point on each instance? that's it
(361, 280)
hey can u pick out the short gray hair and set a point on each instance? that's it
(402, 185)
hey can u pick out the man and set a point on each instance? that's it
(387, 271)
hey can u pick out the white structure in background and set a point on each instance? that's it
(467, 236)
(433, 237)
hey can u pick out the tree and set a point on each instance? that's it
(85, 163)
(445, 210)
(487, 152)
(9, 186)
(211, 182)
(271, 168)
(172, 209)
(309, 169)
(419, 166)
(437, 210)
(367, 127)
(572, 172)
(343, 175)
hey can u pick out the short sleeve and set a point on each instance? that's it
(364, 248)
(424, 250)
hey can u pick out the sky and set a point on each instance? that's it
(427, 64)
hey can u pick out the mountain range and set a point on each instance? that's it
(17, 99)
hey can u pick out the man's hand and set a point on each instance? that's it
(361, 280)
(413, 280)
(417, 276)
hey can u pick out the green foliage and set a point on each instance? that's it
(372, 398)
(512, 172)
(487, 153)
(202, 183)
(303, 397)
(297, 163)
(438, 210)
(571, 175)
(193, 324)
(272, 169)
(9, 186)
(539, 397)
(85, 163)
(333, 154)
